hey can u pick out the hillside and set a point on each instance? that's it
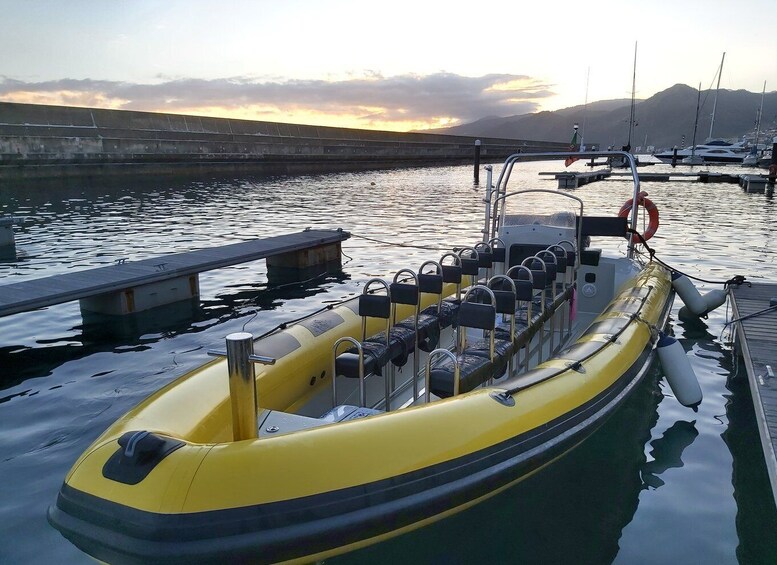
(663, 119)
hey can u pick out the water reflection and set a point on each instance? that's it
(756, 519)
(667, 452)
(102, 333)
(573, 511)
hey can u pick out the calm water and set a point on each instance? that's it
(657, 484)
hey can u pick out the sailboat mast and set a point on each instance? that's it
(695, 125)
(585, 109)
(717, 88)
(758, 122)
(633, 93)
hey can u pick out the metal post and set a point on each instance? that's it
(242, 385)
(674, 156)
(477, 161)
(773, 164)
(487, 201)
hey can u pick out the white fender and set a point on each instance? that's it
(714, 298)
(688, 293)
(695, 302)
(678, 371)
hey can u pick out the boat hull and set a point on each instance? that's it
(310, 495)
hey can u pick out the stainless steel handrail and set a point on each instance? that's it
(504, 176)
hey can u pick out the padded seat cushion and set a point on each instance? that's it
(428, 330)
(474, 370)
(449, 313)
(503, 350)
(376, 355)
(402, 342)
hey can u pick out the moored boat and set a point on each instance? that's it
(716, 151)
(424, 395)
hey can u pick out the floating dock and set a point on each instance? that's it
(748, 182)
(574, 180)
(757, 343)
(133, 286)
(754, 183)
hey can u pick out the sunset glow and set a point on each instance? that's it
(336, 63)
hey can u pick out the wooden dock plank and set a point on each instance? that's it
(758, 344)
(37, 293)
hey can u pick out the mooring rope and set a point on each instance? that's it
(393, 244)
(735, 280)
(766, 310)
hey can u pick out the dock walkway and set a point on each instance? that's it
(574, 179)
(757, 340)
(57, 289)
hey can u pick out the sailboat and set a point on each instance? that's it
(715, 102)
(617, 162)
(713, 150)
(752, 158)
(695, 159)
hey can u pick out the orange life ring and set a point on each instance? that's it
(650, 208)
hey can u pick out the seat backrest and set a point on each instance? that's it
(404, 293)
(485, 255)
(551, 268)
(430, 283)
(375, 306)
(452, 274)
(476, 315)
(537, 268)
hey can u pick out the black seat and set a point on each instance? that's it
(475, 363)
(375, 350)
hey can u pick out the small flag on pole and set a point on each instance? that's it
(573, 146)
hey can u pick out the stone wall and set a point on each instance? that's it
(39, 141)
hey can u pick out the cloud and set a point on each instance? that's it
(370, 100)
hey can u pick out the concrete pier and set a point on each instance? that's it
(39, 141)
(7, 237)
(135, 286)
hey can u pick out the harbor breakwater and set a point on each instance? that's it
(39, 141)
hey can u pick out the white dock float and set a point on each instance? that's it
(753, 183)
(133, 286)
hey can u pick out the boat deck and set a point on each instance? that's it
(758, 346)
(57, 289)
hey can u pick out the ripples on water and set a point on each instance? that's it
(657, 484)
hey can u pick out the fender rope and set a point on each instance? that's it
(735, 280)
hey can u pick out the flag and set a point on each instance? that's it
(572, 147)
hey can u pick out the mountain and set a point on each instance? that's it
(665, 119)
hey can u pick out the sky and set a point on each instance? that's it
(392, 65)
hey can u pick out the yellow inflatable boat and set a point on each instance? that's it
(416, 400)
